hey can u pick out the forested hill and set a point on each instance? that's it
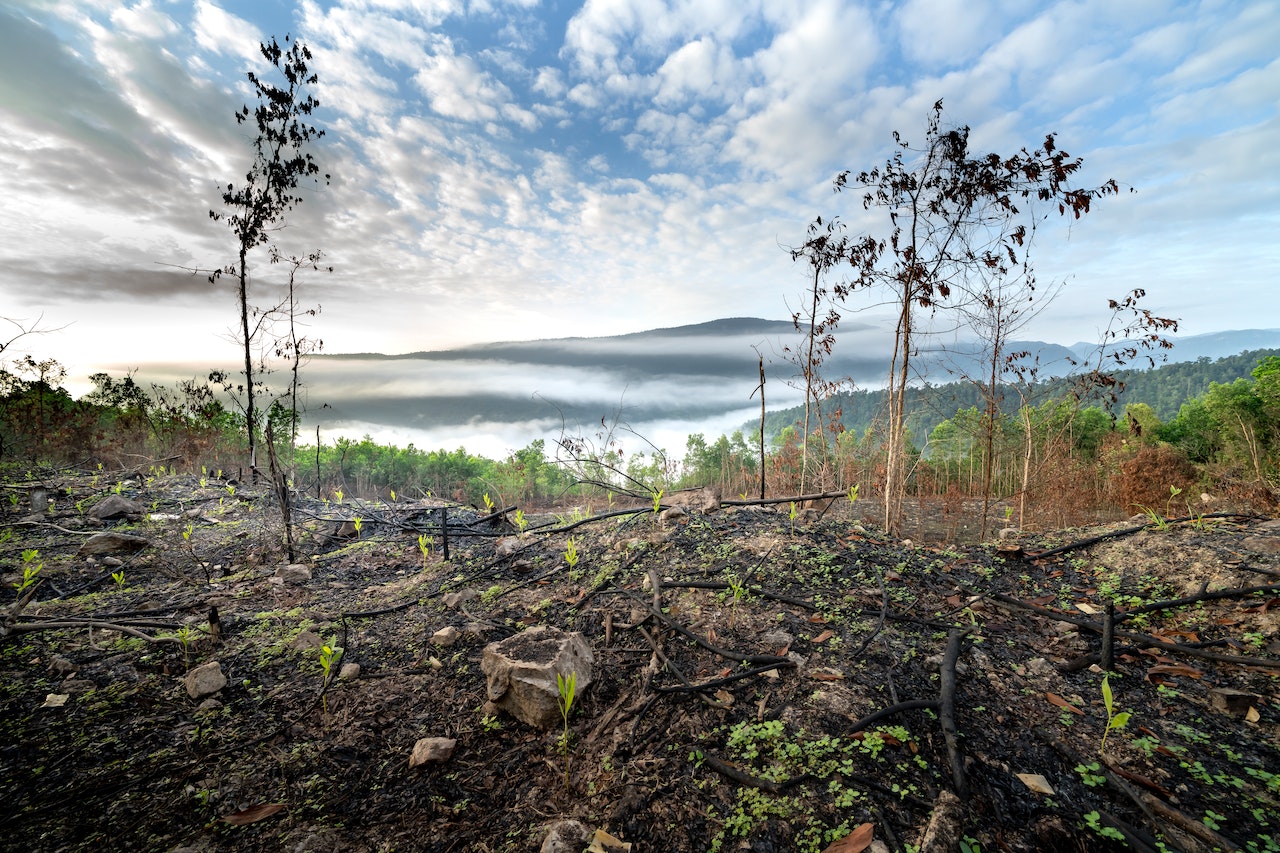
(1165, 389)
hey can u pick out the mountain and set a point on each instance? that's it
(1211, 345)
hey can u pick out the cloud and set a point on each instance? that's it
(219, 31)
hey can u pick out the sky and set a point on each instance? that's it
(525, 169)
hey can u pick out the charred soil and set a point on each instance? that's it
(762, 681)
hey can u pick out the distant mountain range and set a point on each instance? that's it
(666, 383)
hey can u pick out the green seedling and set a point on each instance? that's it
(185, 636)
(393, 495)
(1008, 514)
(358, 522)
(118, 577)
(853, 494)
(425, 544)
(1174, 491)
(329, 655)
(231, 490)
(31, 566)
(568, 688)
(1114, 720)
(657, 501)
(520, 521)
(571, 555)
(337, 495)
(791, 516)
(488, 504)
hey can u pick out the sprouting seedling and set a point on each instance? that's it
(1114, 720)
(184, 636)
(853, 493)
(393, 495)
(187, 531)
(329, 654)
(118, 577)
(231, 490)
(358, 522)
(520, 520)
(31, 566)
(425, 544)
(337, 495)
(567, 687)
(488, 504)
(1174, 491)
(657, 501)
(737, 592)
(791, 516)
(1008, 513)
(571, 554)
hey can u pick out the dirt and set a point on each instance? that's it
(727, 702)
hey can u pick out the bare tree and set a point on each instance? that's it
(270, 190)
(952, 218)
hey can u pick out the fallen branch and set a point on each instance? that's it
(946, 711)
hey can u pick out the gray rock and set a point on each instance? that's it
(205, 680)
(111, 543)
(115, 506)
(672, 513)
(294, 573)
(306, 641)
(521, 672)
(349, 672)
(430, 750)
(446, 636)
(1262, 544)
(507, 546)
(454, 600)
(566, 836)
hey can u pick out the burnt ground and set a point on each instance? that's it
(728, 708)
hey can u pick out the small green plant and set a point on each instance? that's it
(657, 501)
(329, 655)
(118, 577)
(31, 566)
(337, 495)
(425, 544)
(488, 504)
(1094, 821)
(231, 490)
(1008, 514)
(393, 495)
(1090, 774)
(490, 723)
(853, 494)
(185, 636)
(568, 688)
(358, 522)
(571, 555)
(1114, 720)
(969, 844)
(792, 515)
(520, 521)
(1174, 491)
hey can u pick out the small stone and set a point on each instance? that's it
(454, 600)
(294, 573)
(1262, 544)
(112, 562)
(566, 836)
(349, 672)
(208, 706)
(61, 665)
(306, 641)
(111, 543)
(1009, 533)
(205, 680)
(446, 636)
(432, 749)
(672, 513)
(506, 546)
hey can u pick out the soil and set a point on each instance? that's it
(738, 655)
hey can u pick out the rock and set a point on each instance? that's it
(522, 670)
(774, 640)
(672, 513)
(1231, 701)
(1009, 533)
(506, 546)
(566, 836)
(306, 641)
(432, 750)
(349, 672)
(205, 680)
(294, 573)
(111, 543)
(115, 506)
(208, 706)
(112, 562)
(446, 636)
(454, 600)
(703, 500)
(1262, 544)
(476, 629)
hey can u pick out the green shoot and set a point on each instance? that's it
(337, 495)
(791, 516)
(1114, 720)
(118, 577)
(853, 493)
(328, 656)
(488, 504)
(393, 495)
(568, 687)
(571, 555)
(31, 566)
(358, 522)
(657, 501)
(520, 520)
(425, 544)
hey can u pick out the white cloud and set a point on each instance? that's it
(218, 31)
(142, 19)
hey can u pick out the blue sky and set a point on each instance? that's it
(515, 169)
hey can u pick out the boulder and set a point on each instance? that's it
(111, 543)
(115, 506)
(703, 500)
(205, 680)
(522, 669)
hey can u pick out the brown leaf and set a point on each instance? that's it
(1055, 699)
(826, 676)
(253, 814)
(854, 842)
(824, 636)
(1174, 669)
